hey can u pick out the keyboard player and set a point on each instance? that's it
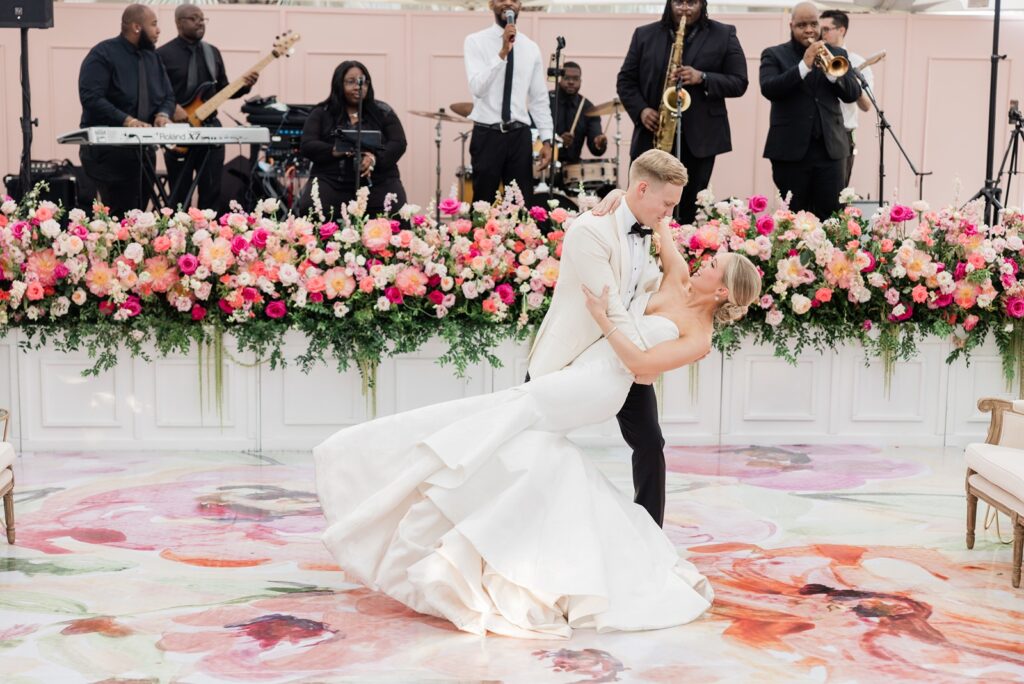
(122, 82)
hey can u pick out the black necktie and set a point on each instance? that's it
(506, 94)
(637, 229)
(143, 110)
(193, 70)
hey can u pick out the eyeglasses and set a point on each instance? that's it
(352, 82)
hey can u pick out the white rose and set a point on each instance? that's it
(183, 304)
(33, 312)
(202, 290)
(288, 274)
(773, 317)
(899, 310)
(134, 252)
(383, 304)
(202, 273)
(1015, 243)
(50, 228)
(78, 297)
(340, 309)
(9, 207)
(800, 304)
(919, 206)
(270, 205)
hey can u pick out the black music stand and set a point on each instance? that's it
(24, 16)
(990, 190)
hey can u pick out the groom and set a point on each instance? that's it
(614, 251)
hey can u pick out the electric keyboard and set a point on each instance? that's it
(166, 135)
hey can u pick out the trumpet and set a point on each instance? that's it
(831, 64)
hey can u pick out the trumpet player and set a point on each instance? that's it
(807, 142)
(713, 68)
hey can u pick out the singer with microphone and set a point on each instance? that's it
(807, 143)
(353, 140)
(506, 80)
(834, 26)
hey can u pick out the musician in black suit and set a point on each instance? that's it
(122, 82)
(807, 142)
(587, 129)
(196, 68)
(714, 68)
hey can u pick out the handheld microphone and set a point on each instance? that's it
(510, 20)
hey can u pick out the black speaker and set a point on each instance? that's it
(26, 14)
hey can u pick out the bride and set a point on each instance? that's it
(482, 512)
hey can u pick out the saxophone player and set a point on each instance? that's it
(713, 68)
(807, 142)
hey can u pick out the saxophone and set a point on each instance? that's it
(672, 101)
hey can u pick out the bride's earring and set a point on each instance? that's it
(716, 298)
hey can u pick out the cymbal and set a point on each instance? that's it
(605, 108)
(461, 108)
(439, 116)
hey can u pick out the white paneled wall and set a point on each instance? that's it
(749, 398)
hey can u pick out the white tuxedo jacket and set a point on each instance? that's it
(595, 253)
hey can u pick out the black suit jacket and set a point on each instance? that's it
(796, 101)
(713, 49)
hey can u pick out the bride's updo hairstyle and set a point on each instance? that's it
(743, 281)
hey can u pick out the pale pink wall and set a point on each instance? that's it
(933, 85)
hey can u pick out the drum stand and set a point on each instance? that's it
(437, 168)
(462, 138)
(618, 144)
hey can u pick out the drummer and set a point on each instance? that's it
(573, 126)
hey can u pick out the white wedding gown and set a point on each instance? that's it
(482, 512)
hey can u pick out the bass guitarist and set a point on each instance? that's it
(196, 69)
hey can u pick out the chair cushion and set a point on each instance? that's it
(986, 488)
(1003, 466)
(6, 477)
(6, 455)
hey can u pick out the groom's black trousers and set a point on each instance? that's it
(638, 421)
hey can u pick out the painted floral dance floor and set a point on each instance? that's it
(829, 563)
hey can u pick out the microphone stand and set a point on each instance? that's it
(883, 126)
(359, 137)
(558, 71)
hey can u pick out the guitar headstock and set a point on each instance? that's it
(284, 44)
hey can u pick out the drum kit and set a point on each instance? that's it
(592, 176)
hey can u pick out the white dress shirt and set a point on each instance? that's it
(485, 70)
(851, 111)
(637, 256)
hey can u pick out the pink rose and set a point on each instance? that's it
(970, 322)
(60, 271)
(106, 307)
(900, 213)
(538, 213)
(259, 238)
(450, 206)
(436, 297)
(872, 262)
(960, 272)
(908, 311)
(276, 309)
(919, 294)
(941, 302)
(506, 293)
(188, 263)
(132, 305)
(198, 312)
(765, 225)
(34, 291)
(1015, 307)
(225, 306)
(866, 325)
(823, 294)
(250, 294)
(558, 215)
(757, 203)
(394, 295)
(238, 243)
(328, 229)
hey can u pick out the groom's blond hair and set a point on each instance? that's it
(655, 166)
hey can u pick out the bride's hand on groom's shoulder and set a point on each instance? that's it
(609, 204)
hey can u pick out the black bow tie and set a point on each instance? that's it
(637, 229)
